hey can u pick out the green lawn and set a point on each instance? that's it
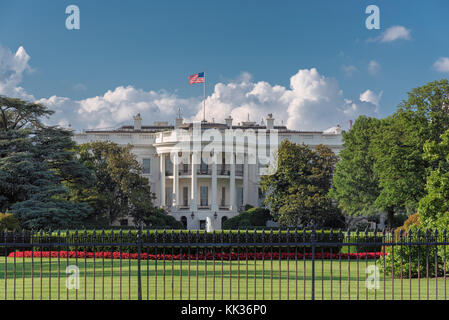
(268, 280)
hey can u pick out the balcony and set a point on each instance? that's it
(239, 170)
(204, 169)
(223, 169)
(185, 170)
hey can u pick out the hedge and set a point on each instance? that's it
(184, 236)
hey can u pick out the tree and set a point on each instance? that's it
(17, 114)
(119, 190)
(398, 147)
(34, 164)
(355, 186)
(37, 164)
(297, 193)
(434, 207)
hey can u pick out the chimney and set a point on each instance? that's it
(350, 124)
(137, 122)
(270, 121)
(179, 120)
(229, 121)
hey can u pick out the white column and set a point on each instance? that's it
(214, 206)
(162, 166)
(245, 180)
(193, 188)
(175, 181)
(232, 194)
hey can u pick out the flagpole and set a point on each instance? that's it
(204, 98)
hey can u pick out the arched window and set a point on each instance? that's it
(223, 219)
(184, 221)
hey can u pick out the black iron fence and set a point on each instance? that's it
(242, 264)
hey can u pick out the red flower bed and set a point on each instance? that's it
(208, 256)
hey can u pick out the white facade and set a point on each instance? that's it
(204, 197)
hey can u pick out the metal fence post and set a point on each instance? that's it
(312, 239)
(139, 275)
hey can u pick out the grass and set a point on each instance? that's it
(45, 279)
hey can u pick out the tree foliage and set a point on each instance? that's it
(383, 165)
(297, 193)
(399, 147)
(18, 114)
(253, 217)
(434, 207)
(36, 165)
(355, 186)
(8, 222)
(119, 189)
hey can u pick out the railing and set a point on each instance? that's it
(249, 264)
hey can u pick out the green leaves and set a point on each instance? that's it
(17, 114)
(297, 193)
(355, 185)
(434, 207)
(385, 163)
(119, 189)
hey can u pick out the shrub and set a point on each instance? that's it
(8, 222)
(278, 237)
(411, 258)
(411, 221)
(253, 217)
(161, 220)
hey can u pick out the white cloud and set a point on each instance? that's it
(12, 68)
(311, 102)
(373, 67)
(393, 33)
(442, 64)
(117, 107)
(370, 97)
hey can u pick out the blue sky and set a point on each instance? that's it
(152, 46)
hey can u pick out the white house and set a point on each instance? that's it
(227, 159)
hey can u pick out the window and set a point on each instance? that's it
(202, 224)
(223, 219)
(203, 168)
(146, 166)
(168, 166)
(223, 196)
(185, 196)
(204, 193)
(168, 196)
(240, 198)
(124, 222)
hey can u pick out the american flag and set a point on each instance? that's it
(196, 78)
